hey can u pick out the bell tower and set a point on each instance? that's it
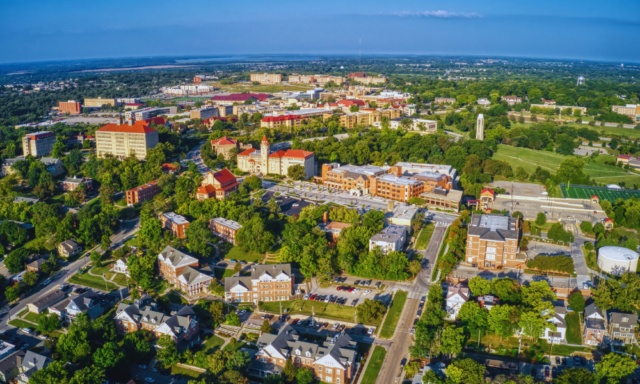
(264, 155)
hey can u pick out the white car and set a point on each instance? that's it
(370, 331)
(368, 291)
(335, 326)
(356, 290)
(327, 299)
(25, 330)
(307, 296)
(46, 282)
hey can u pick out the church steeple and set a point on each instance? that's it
(264, 155)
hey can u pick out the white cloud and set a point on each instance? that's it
(439, 13)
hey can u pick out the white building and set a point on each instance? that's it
(456, 296)
(391, 238)
(559, 335)
(617, 260)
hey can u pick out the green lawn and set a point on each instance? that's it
(237, 346)
(563, 350)
(425, 236)
(120, 279)
(573, 328)
(213, 344)
(23, 312)
(101, 270)
(236, 253)
(132, 241)
(530, 159)
(21, 324)
(370, 376)
(603, 193)
(185, 372)
(221, 273)
(90, 281)
(306, 307)
(391, 321)
(32, 317)
(175, 298)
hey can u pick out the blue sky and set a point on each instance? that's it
(35, 30)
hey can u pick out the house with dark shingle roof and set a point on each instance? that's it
(594, 325)
(333, 360)
(622, 327)
(32, 363)
(267, 282)
(180, 269)
(92, 303)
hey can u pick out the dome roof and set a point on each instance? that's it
(618, 253)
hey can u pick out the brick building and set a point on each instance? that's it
(71, 183)
(217, 185)
(492, 242)
(271, 282)
(99, 102)
(332, 360)
(38, 144)
(225, 229)
(512, 100)
(175, 223)
(142, 193)
(123, 140)
(180, 269)
(182, 325)
(282, 121)
(224, 145)
(72, 107)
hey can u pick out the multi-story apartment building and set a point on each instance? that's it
(72, 107)
(239, 98)
(71, 183)
(124, 140)
(204, 113)
(444, 100)
(631, 110)
(179, 269)
(225, 229)
(69, 248)
(484, 102)
(182, 325)
(38, 144)
(422, 126)
(363, 78)
(224, 145)
(333, 361)
(99, 102)
(148, 113)
(177, 224)
(217, 185)
(390, 239)
(282, 121)
(368, 117)
(266, 78)
(315, 79)
(512, 100)
(622, 327)
(266, 162)
(492, 242)
(142, 193)
(271, 282)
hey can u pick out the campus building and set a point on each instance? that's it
(38, 144)
(142, 193)
(266, 78)
(177, 224)
(224, 145)
(71, 183)
(99, 102)
(204, 113)
(512, 100)
(217, 185)
(492, 242)
(363, 78)
(266, 162)
(124, 140)
(333, 361)
(444, 100)
(148, 113)
(315, 79)
(631, 110)
(225, 229)
(421, 126)
(267, 282)
(282, 121)
(368, 117)
(390, 239)
(71, 107)
(180, 269)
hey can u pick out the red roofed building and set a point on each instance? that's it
(217, 185)
(123, 140)
(266, 162)
(282, 121)
(349, 102)
(595, 199)
(170, 168)
(608, 224)
(487, 196)
(224, 145)
(624, 159)
(142, 193)
(356, 74)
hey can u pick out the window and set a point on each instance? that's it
(329, 370)
(320, 368)
(338, 371)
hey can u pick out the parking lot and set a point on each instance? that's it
(354, 294)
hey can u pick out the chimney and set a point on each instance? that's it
(130, 122)
(325, 217)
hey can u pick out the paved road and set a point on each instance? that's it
(139, 375)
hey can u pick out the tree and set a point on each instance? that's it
(466, 371)
(536, 296)
(614, 367)
(253, 236)
(215, 309)
(296, 172)
(88, 375)
(305, 375)
(16, 260)
(452, 340)
(74, 346)
(168, 351)
(480, 286)
(290, 371)
(541, 219)
(95, 257)
(472, 315)
(108, 356)
(412, 368)
(577, 376)
(48, 323)
(503, 320)
(238, 361)
(150, 231)
(233, 319)
(237, 267)
(198, 235)
(275, 379)
(266, 326)
(586, 227)
(30, 278)
(54, 373)
(576, 302)
(370, 310)
(533, 324)
(521, 174)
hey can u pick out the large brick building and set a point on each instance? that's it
(72, 107)
(225, 229)
(142, 193)
(266, 162)
(71, 183)
(282, 121)
(217, 185)
(123, 140)
(180, 269)
(492, 242)
(38, 144)
(182, 325)
(271, 282)
(368, 117)
(333, 361)
(175, 223)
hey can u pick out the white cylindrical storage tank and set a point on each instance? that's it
(617, 260)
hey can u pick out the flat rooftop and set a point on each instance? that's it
(174, 217)
(389, 234)
(227, 223)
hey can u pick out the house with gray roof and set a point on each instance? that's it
(333, 360)
(267, 282)
(92, 303)
(391, 238)
(31, 363)
(181, 270)
(28, 200)
(594, 325)
(492, 242)
(557, 319)
(181, 324)
(10, 366)
(622, 327)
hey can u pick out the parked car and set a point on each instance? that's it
(564, 361)
(546, 371)
(312, 297)
(233, 261)
(306, 297)
(335, 326)
(356, 290)
(357, 282)
(557, 360)
(149, 379)
(354, 302)
(378, 284)
(413, 330)
(339, 288)
(24, 347)
(46, 282)
(370, 331)
(295, 321)
(419, 313)
(26, 330)
(423, 299)
(153, 369)
(142, 366)
(243, 262)
(368, 291)
(576, 361)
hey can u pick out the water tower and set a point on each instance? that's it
(581, 80)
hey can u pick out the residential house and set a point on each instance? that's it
(121, 266)
(28, 200)
(92, 303)
(487, 301)
(456, 296)
(391, 238)
(69, 248)
(6, 349)
(46, 301)
(594, 325)
(177, 224)
(333, 361)
(512, 100)
(179, 269)
(557, 318)
(31, 363)
(273, 282)
(484, 102)
(181, 324)
(622, 327)
(10, 366)
(169, 168)
(71, 183)
(34, 266)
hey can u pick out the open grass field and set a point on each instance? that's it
(573, 328)
(186, 372)
(213, 344)
(306, 307)
(95, 282)
(21, 324)
(236, 253)
(370, 376)
(266, 88)
(32, 317)
(221, 273)
(425, 236)
(610, 195)
(530, 159)
(391, 321)
(602, 131)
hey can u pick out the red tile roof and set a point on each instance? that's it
(624, 156)
(235, 97)
(168, 166)
(356, 74)
(488, 190)
(298, 153)
(224, 141)
(137, 127)
(350, 102)
(158, 120)
(596, 196)
(247, 152)
(264, 138)
(224, 176)
(214, 118)
(279, 153)
(207, 189)
(608, 220)
(271, 119)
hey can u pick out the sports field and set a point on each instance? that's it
(580, 192)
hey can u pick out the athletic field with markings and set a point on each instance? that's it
(585, 192)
